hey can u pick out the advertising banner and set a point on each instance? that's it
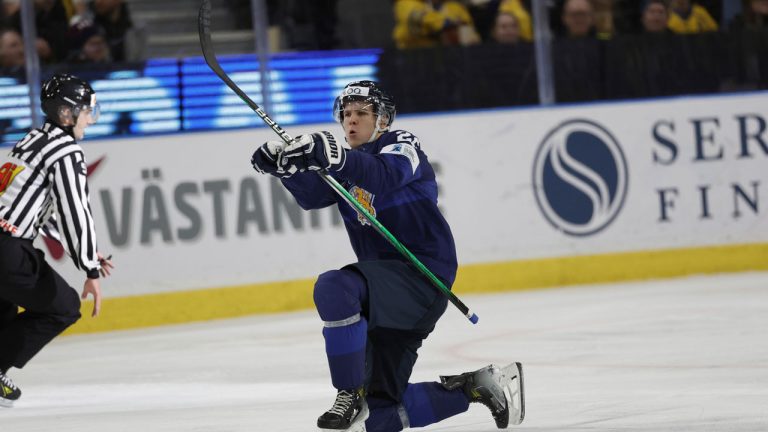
(187, 211)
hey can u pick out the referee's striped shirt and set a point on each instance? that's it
(43, 187)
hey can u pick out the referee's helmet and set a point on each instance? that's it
(65, 96)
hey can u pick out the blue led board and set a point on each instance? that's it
(176, 95)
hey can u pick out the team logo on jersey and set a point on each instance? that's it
(8, 172)
(365, 199)
(580, 177)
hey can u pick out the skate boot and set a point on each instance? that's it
(499, 389)
(348, 412)
(8, 391)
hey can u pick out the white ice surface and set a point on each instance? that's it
(676, 355)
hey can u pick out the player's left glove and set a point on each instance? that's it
(314, 152)
(265, 158)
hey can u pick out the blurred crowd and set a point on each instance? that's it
(72, 31)
(102, 31)
(426, 23)
(422, 23)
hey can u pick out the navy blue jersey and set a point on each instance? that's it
(392, 178)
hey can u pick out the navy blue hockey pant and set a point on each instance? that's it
(376, 315)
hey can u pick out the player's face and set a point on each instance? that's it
(359, 122)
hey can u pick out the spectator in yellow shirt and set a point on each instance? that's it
(426, 23)
(517, 9)
(685, 17)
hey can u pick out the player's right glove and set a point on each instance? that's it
(264, 160)
(314, 152)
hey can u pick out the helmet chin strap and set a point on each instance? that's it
(376, 129)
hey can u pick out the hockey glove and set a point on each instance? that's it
(314, 152)
(264, 160)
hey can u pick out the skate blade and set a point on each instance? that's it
(514, 390)
(356, 426)
(6, 404)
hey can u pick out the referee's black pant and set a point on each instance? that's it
(50, 304)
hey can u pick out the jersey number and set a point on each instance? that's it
(407, 137)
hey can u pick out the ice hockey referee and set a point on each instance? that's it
(43, 187)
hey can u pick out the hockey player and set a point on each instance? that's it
(377, 311)
(44, 176)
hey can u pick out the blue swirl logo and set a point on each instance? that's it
(580, 177)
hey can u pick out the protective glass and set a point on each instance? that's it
(94, 111)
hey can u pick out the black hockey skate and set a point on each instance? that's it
(500, 389)
(348, 412)
(8, 391)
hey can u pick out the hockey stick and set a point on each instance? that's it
(204, 30)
